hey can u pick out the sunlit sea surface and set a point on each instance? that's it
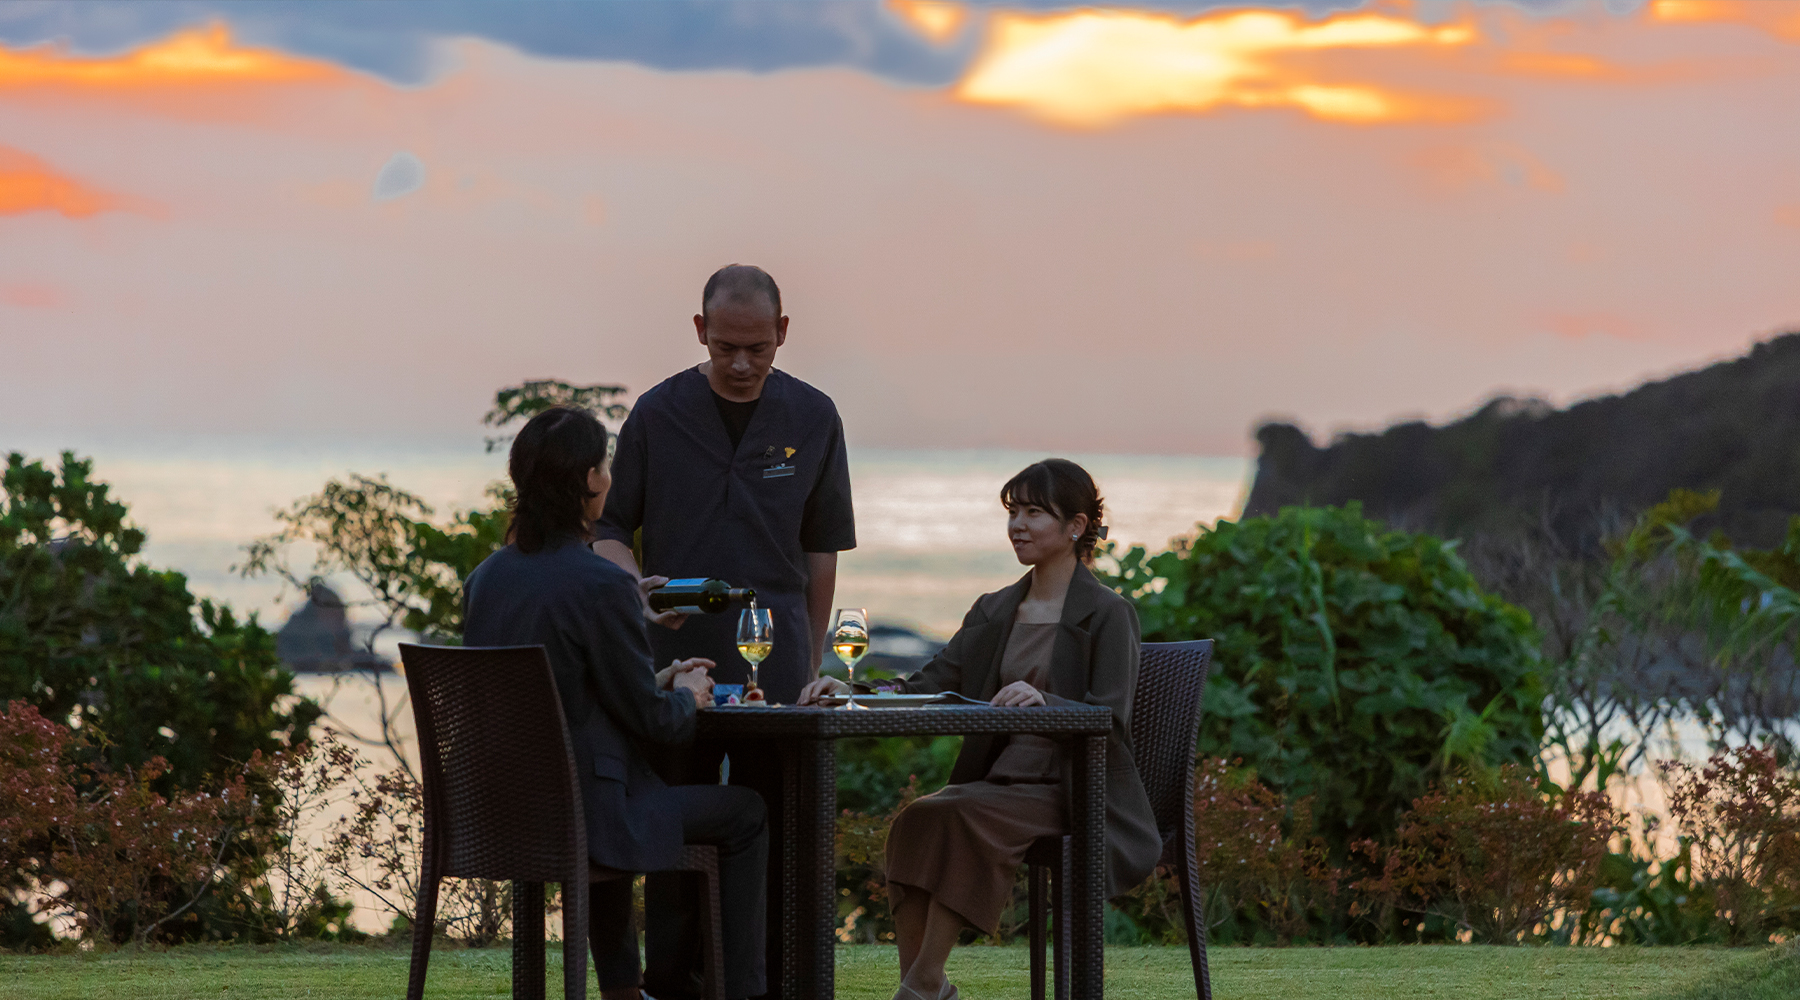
(929, 523)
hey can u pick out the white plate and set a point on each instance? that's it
(884, 700)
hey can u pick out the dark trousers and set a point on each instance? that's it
(734, 821)
(671, 899)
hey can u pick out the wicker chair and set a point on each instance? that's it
(502, 802)
(1165, 721)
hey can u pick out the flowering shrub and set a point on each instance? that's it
(1493, 855)
(37, 788)
(105, 847)
(1266, 876)
(1740, 815)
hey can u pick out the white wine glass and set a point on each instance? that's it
(850, 641)
(755, 638)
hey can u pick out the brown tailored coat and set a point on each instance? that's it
(1094, 662)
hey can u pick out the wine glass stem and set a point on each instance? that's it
(850, 672)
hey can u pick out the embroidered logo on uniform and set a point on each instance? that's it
(777, 471)
(790, 452)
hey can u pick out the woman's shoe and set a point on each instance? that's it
(945, 992)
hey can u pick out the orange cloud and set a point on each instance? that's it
(1093, 67)
(1780, 18)
(186, 58)
(28, 184)
(1564, 64)
(937, 20)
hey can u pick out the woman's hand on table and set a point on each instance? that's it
(667, 619)
(695, 681)
(1018, 694)
(811, 693)
(665, 678)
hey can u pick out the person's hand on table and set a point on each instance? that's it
(811, 693)
(1018, 694)
(667, 619)
(697, 683)
(665, 678)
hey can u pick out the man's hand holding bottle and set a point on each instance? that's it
(667, 619)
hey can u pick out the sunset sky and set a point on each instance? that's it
(1120, 229)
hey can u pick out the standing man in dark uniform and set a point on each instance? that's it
(735, 470)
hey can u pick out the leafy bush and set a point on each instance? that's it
(1644, 901)
(1352, 664)
(1494, 855)
(1741, 817)
(91, 635)
(103, 846)
(874, 774)
(1267, 878)
(861, 866)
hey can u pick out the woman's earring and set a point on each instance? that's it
(1075, 538)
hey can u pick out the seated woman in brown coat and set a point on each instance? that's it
(1058, 636)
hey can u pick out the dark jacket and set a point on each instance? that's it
(586, 613)
(1094, 662)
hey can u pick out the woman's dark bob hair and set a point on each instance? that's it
(549, 466)
(1064, 489)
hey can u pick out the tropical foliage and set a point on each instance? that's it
(94, 637)
(1353, 663)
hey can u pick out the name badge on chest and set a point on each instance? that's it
(777, 471)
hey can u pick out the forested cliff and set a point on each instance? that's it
(1733, 426)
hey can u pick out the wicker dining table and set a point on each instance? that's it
(806, 738)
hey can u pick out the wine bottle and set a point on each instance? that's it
(695, 596)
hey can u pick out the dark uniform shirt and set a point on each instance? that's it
(736, 416)
(746, 514)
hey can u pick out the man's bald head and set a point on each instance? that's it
(740, 284)
(740, 324)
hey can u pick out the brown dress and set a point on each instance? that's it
(963, 844)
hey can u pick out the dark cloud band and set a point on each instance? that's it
(397, 39)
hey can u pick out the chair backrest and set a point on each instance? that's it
(501, 797)
(1165, 725)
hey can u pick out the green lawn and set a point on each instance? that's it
(1464, 972)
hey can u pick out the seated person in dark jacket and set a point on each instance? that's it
(1057, 637)
(547, 587)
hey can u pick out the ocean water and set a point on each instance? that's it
(930, 528)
